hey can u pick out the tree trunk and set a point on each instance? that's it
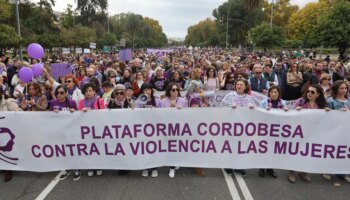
(342, 50)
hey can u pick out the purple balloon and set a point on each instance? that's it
(37, 69)
(35, 51)
(25, 74)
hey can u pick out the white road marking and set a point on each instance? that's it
(49, 187)
(244, 188)
(231, 186)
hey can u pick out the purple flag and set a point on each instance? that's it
(61, 69)
(125, 55)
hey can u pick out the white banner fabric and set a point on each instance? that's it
(308, 140)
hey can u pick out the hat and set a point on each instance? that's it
(119, 87)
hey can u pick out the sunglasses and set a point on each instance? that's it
(174, 89)
(119, 93)
(60, 92)
(68, 81)
(311, 91)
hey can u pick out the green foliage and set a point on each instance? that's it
(8, 36)
(205, 32)
(67, 19)
(333, 28)
(264, 36)
(240, 19)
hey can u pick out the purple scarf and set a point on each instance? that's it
(275, 103)
(89, 103)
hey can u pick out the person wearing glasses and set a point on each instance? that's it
(258, 83)
(62, 103)
(238, 98)
(119, 101)
(325, 84)
(71, 83)
(173, 99)
(313, 98)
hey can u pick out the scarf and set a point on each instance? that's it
(275, 103)
(89, 103)
(70, 92)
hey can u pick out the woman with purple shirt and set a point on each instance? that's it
(62, 103)
(173, 99)
(313, 98)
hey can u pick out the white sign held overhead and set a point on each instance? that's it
(92, 45)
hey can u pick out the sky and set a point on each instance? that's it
(175, 16)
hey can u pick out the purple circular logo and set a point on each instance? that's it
(6, 144)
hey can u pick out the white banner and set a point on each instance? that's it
(65, 50)
(308, 140)
(92, 45)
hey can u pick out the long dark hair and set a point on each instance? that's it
(149, 86)
(321, 100)
(169, 87)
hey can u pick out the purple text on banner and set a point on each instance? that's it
(61, 69)
(125, 55)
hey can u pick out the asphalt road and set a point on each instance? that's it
(186, 185)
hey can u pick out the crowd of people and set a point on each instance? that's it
(103, 81)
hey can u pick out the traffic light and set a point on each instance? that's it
(221, 20)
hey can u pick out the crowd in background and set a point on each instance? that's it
(101, 81)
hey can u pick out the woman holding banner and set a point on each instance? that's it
(148, 100)
(196, 98)
(62, 103)
(339, 101)
(274, 101)
(173, 99)
(238, 98)
(91, 101)
(119, 101)
(313, 98)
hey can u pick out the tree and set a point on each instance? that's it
(133, 23)
(333, 28)
(302, 23)
(202, 33)
(89, 8)
(252, 4)
(240, 19)
(8, 36)
(67, 19)
(264, 36)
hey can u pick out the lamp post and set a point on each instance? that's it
(228, 10)
(18, 29)
(273, 1)
(107, 18)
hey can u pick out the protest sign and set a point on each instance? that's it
(125, 55)
(190, 137)
(60, 69)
